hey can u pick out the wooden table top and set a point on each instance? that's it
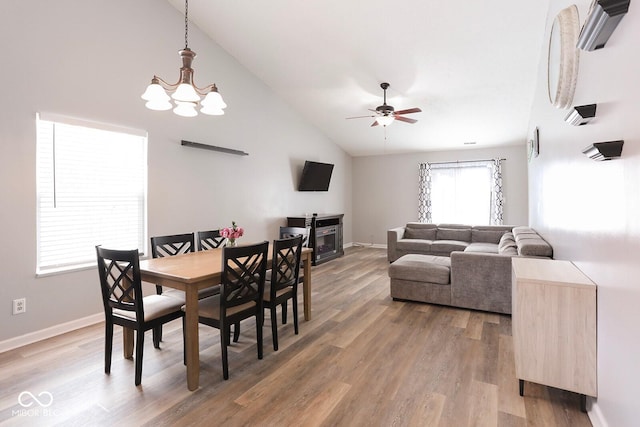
(192, 267)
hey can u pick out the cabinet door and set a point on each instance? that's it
(554, 326)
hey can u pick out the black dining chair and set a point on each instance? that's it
(209, 240)
(241, 291)
(176, 244)
(283, 283)
(286, 232)
(171, 245)
(124, 304)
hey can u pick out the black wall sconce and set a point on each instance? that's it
(604, 150)
(604, 16)
(581, 115)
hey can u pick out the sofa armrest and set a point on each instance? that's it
(393, 236)
(481, 281)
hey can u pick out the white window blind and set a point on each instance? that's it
(91, 190)
(461, 193)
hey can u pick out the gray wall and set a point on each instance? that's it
(385, 188)
(92, 60)
(590, 211)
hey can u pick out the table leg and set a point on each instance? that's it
(127, 342)
(192, 347)
(306, 287)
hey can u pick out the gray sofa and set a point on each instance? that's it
(460, 265)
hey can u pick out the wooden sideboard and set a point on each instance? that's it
(554, 326)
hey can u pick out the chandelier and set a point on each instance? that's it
(186, 95)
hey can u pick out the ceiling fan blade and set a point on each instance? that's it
(405, 119)
(409, 111)
(359, 117)
(375, 123)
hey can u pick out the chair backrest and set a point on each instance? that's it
(285, 264)
(120, 281)
(162, 246)
(244, 270)
(286, 232)
(209, 240)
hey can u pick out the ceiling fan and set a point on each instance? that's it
(385, 114)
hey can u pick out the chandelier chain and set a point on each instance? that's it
(186, 24)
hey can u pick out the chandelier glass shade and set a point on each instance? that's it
(185, 94)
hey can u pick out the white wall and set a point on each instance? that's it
(92, 59)
(385, 188)
(590, 211)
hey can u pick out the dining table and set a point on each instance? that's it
(191, 272)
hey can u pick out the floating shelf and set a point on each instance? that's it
(581, 115)
(604, 150)
(214, 148)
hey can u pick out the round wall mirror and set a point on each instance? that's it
(563, 60)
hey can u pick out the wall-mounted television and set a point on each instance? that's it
(315, 176)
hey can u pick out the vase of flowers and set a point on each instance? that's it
(232, 234)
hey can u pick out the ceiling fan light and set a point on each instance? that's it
(384, 120)
(185, 93)
(185, 109)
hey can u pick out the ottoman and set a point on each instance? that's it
(424, 278)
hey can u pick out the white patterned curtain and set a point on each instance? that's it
(424, 193)
(497, 199)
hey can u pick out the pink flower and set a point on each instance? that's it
(232, 232)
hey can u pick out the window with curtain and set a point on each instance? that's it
(461, 192)
(91, 190)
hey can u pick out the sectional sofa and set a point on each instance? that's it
(459, 265)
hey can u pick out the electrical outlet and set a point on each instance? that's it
(19, 306)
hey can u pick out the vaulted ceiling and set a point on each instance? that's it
(471, 66)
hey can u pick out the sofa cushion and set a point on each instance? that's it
(508, 251)
(448, 246)
(483, 247)
(506, 241)
(534, 247)
(462, 235)
(522, 229)
(486, 236)
(421, 268)
(414, 245)
(420, 233)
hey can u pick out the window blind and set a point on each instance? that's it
(91, 190)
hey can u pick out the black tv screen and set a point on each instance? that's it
(315, 176)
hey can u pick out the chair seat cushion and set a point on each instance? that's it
(154, 306)
(279, 293)
(210, 307)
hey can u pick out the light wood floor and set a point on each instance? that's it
(363, 360)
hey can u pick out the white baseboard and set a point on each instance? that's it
(52, 331)
(595, 415)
